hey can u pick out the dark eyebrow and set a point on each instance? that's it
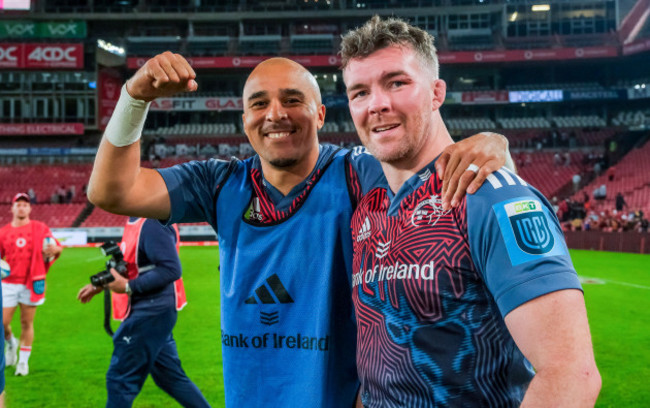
(292, 92)
(258, 94)
(393, 74)
(355, 87)
(384, 77)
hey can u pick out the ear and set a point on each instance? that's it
(321, 116)
(439, 88)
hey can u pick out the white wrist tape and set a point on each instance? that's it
(126, 123)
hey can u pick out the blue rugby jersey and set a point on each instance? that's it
(288, 330)
(431, 288)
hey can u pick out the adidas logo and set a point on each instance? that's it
(382, 249)
(364, 232)
(265, 296)
(269, 319)
(424, 176)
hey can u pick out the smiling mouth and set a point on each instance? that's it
(279, 134)
(384, 128)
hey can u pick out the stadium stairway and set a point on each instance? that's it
(544, 175)
(631, 177)
(83, 215)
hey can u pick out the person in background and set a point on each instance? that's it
(30, 249)
(147, 303)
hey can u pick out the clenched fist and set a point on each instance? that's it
(164, 75)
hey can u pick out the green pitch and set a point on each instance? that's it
(71, 350)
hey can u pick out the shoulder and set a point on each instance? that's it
(155, 226)
(507, 209)
(210, 165)
(366, 168)
(500, 186)
(154, 231)
(361, 155)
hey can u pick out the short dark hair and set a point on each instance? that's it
(378, 33)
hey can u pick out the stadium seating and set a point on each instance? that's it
(578, 121)
(150, 46)
(470, 123)
(633, 119)
(207, 46)
(522, 123)
(631, 177)
(194, 129)
(260, 44)
(312, 43)
(543, 174)
(521, 138)
(44, 179)
(101, 218)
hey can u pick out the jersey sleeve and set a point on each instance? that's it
(193, 188)
(516, 242)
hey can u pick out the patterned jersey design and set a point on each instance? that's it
(429, 332)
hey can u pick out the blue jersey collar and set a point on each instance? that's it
(410, 185)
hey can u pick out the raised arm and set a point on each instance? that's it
(553, 334)
(117, 183)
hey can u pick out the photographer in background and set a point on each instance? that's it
(147, 302)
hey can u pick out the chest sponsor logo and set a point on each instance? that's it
(395, 271)
(530, 226)
(428, 212)
(296, 341)
(364, 231)
(21, 242)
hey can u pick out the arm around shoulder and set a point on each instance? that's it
(553, 334)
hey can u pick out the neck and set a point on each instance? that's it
(286, 178)
(19, 222)
(398, 172)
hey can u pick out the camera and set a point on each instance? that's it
(116, 261)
